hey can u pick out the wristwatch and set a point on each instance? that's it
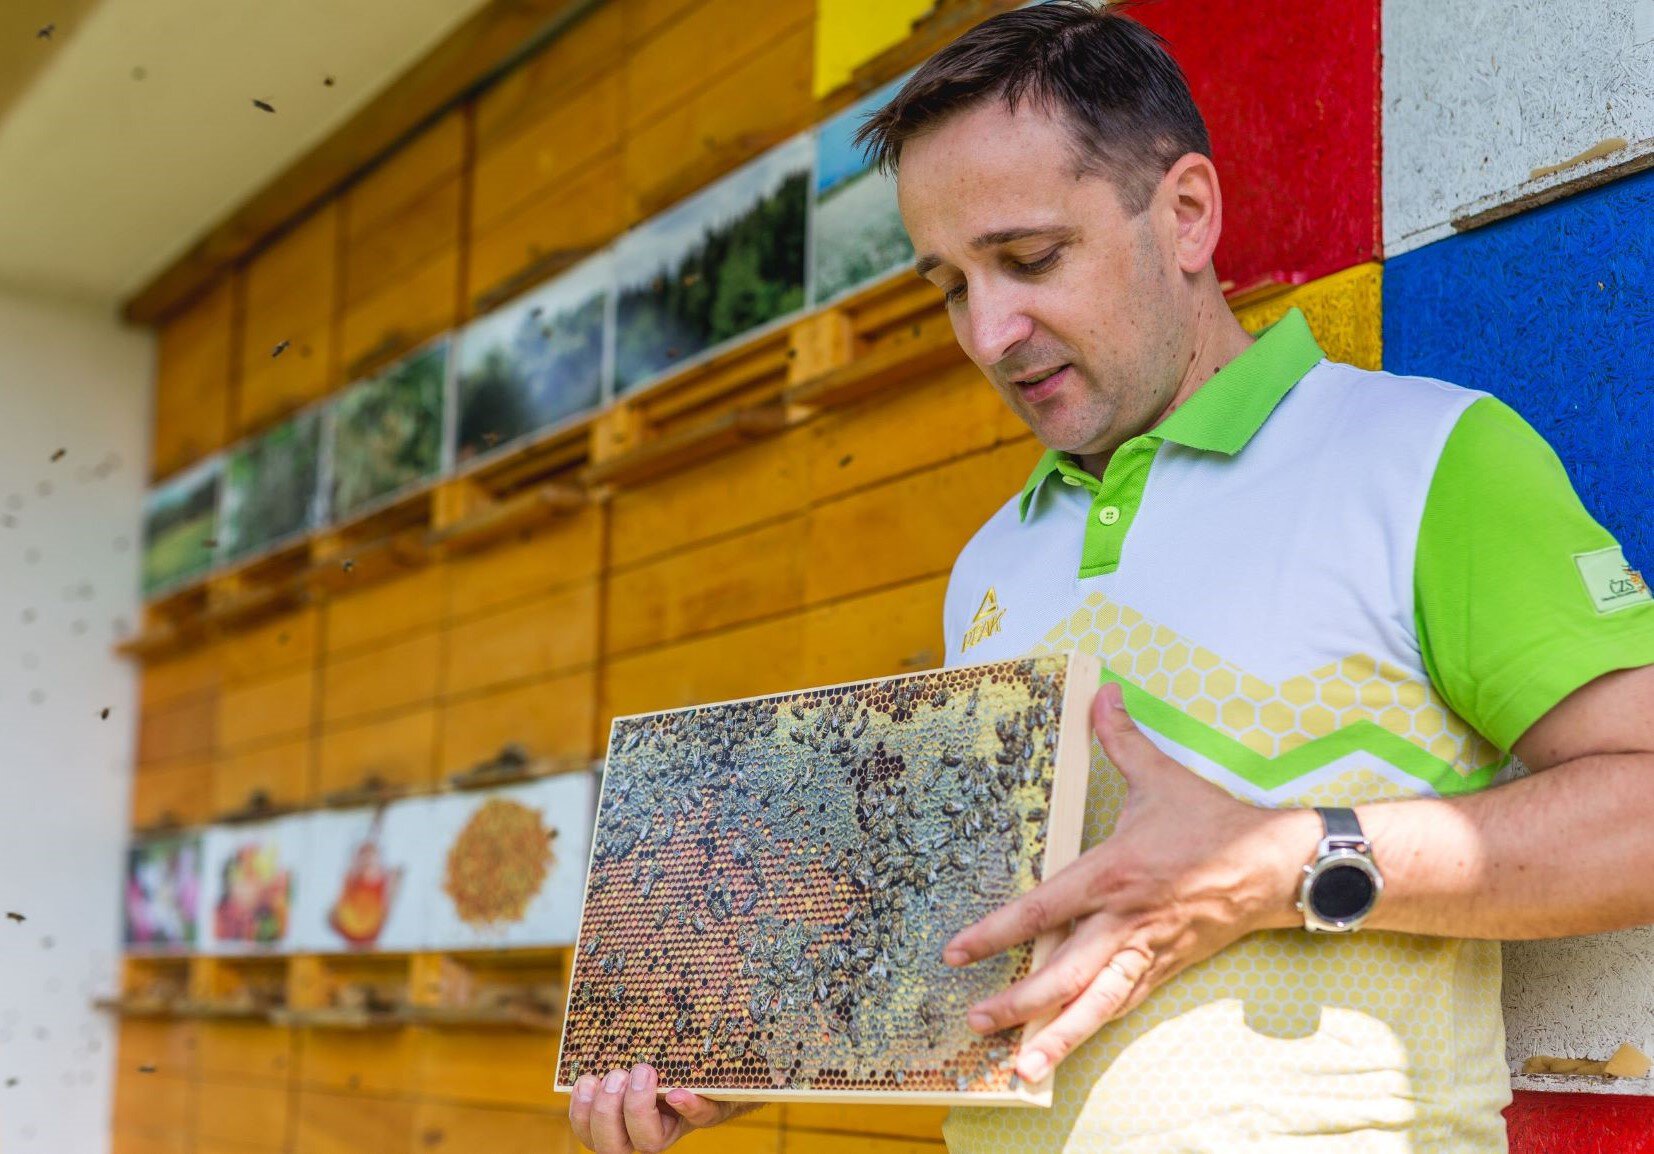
(1341, 885)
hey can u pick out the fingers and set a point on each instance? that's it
(1048, 906)
(1107, 996)
(608, 1133)
(1066, 974)
(694, 1109)
(1122, 742)
(586, 1089)
(648, 1127)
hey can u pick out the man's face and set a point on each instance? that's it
(1043, 270)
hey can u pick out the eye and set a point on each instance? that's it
(1042, 264)
(955, 294)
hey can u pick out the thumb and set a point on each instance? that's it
(1124, 744)
(694, 1109)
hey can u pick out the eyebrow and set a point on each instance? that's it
(928, 262)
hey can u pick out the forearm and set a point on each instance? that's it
(1556, 853)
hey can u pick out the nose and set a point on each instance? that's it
(996, 324)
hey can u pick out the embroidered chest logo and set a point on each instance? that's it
(986, 622)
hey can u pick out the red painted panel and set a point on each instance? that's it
(1580, 1124)
(1290, 92)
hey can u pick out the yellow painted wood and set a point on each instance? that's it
(542, 154)
(733, 1139)
(645, 17)
(272, 386)
(308, 983)
(172, 791)
(390, 677)
(401, 316)
(281, 772)
(180, 729)
(541, 86)
(252, 1116)
(911, 527)
(266, 711)
(550, 717)
(289, 296)
(922, 1122)
(282, 643)
(499, 1067)
(398, 751)
(172, 1047)
(383, 255)
(359, 1061)
(1344, 311)
(760, 483)
(562, 553)
(449, 1126)
(405, 178)
(715, 36)
(819, 1142)
(144, 1142)
(849, 33)
(246, 1051)
(552, 634)
(350, 1124)
(916, 427)
(384, 611)
(193, 364)
(191, 672)
(818, 344)
(740, 662)
(881, 634)
(753, 574)
(157, 1102)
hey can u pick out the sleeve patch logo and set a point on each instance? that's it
(986, 622)
(1609, 582)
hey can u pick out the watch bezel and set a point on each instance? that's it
(1341, 857)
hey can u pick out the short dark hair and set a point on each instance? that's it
(1112, 79)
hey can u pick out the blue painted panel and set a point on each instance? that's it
(1553, 312)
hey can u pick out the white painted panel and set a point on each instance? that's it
(1479, 94)
(1580, 998)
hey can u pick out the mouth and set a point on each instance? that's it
(1035, 387)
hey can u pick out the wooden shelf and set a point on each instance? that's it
(334, 1018)
(685, 447)
(923, 347)
(515, 514)
(494, 1017)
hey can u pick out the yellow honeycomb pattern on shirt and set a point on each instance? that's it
(1285, 1043)
(1270, 719)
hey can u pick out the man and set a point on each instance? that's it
(1314, 586)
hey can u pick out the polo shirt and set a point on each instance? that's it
(1317, 585)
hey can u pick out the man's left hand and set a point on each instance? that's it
(1187, 871)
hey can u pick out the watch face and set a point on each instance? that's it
(1342, 892)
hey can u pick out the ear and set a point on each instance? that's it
(1195, 201)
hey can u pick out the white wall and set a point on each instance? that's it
(69, 544)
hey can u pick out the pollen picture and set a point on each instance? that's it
(772, 881)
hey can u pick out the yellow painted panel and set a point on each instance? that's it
(733, 1139)
(144, 1142)
(398, 675)
(550, 717)
(399, 750)
(913, 527)
(544, 153)
(564, 552)
(923, 1122)
(917, 426)
(173, 790)
(849, 33)
(253, 1051)
(170, 1047)
(499, 1067)
(151, 1101)
(296, 268)
(339, 1124)
(541, 85)
(253, 1116)
(740, 662)
(558, 226)
(549, 634)
(643, 17)
(664, 70)
(406, 176)
(282, 643)
(882, 634)
(380, 257)
(419, 304)
(759, 573)
(192, 672)
(385, 610)
(1344, 311)
(273, 386)
(447, 1126)
(758, 483)
(818, 1142)
(182, 728)
(266, 711)
(359, 1061)
(281, 772)
(192, 382)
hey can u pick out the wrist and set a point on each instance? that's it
(1292, 835)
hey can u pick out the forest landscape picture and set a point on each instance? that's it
(271, 486)
(728, 260)
(858, 230)
(180, 518)
(387, 431)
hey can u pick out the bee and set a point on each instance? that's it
(281, 347)
(263, 105)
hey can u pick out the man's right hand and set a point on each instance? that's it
(621, 1113)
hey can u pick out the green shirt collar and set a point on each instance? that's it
(1225, 412)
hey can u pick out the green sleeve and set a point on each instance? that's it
(1519, 596)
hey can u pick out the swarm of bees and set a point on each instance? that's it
(773, 881)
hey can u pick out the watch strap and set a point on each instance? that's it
(1341, 824)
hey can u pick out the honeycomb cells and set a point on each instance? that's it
(773, 881)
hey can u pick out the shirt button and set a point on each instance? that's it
(1108, 514)
(1072, 481)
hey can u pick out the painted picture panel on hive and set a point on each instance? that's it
(272, 487)
(180, 522)
(858, 229)
(723, 263)
(510, 864)
(387, 431)
(535, 364)
(161, 898)
(252, 874)
(368, 868)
